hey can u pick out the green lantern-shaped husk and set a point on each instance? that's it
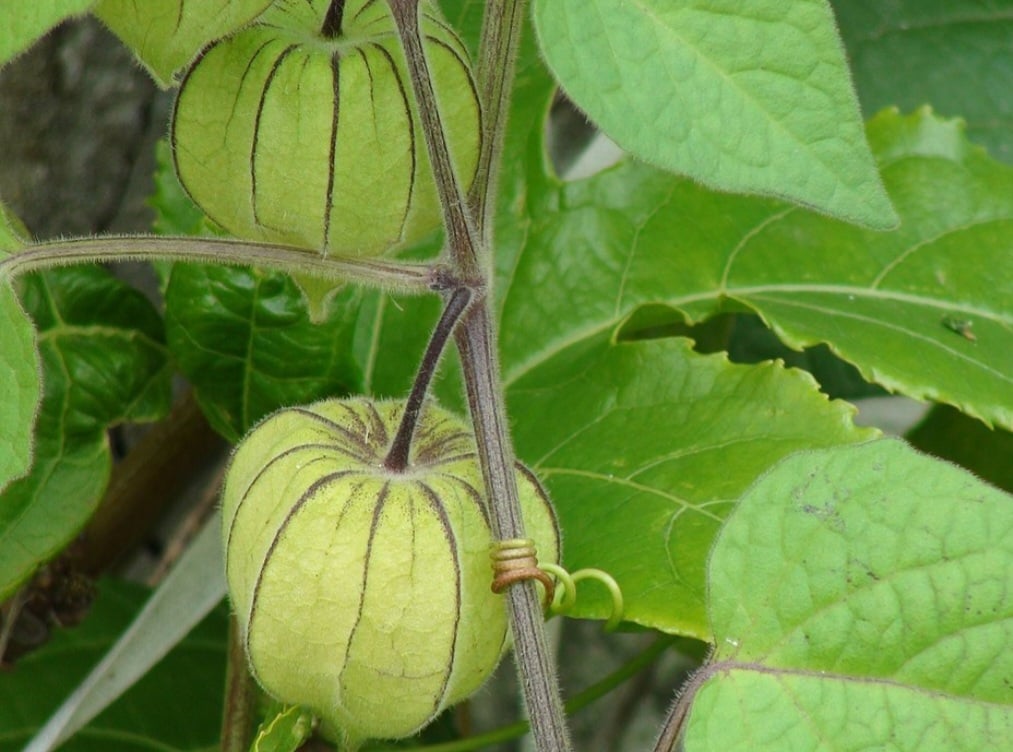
(361, 593)
(301, 128)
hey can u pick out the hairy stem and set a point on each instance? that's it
(388, 275)
(675, 722)
(461, 235)
(476, 341)
(501, 32)
(575, 704)
(397, 457)
(535, 663)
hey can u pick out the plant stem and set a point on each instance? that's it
(476, 341)
(240, 697)
(397, 456)
(675, 722)
(461, 236)
(536, 666)
(332, 21)
(575, 704)
(497, 60)
(388, 275)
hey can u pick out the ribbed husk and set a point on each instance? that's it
(365, 594)
(284, 135)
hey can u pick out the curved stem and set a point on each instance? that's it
(397, 457)
(388, 275)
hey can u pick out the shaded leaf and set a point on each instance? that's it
(954, 55)
(861, 598)
(176, 706)
(644, 447)
(285, 731)
(25, 23)
(104, 363)
(194, 586)
(633, 236)
(244, 339)
(752, 96)
(167, 34)
(19, 366)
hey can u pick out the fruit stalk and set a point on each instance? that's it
(333, 19)
(397, 457)
(238, 718)
(476, 341)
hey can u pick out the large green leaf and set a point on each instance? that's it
(167, 34)
(955, 55)
(244, 339)
(176, 706)
(19, 367)
(751, 96)
(644, 447)
(21, 23)
(861, 598)
(924, 310)
(104, 363)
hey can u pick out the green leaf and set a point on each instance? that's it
(19, 367)
(192, 589)
(104, 363)
(167, 34)
(861, 599)
(176, 706)
(599, 249)
(285, 731)
(955, 55)
(751, 96)
(25, 23)
(233, 333)
(644, 447)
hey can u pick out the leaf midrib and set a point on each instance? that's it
(517, 372)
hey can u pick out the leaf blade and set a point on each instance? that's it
(633, 237)
(30, 21)
(104, 363)
(932, 50)
(20, 369)
(166, 36)
(642, 463)
(752, 97)
(873, 574)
